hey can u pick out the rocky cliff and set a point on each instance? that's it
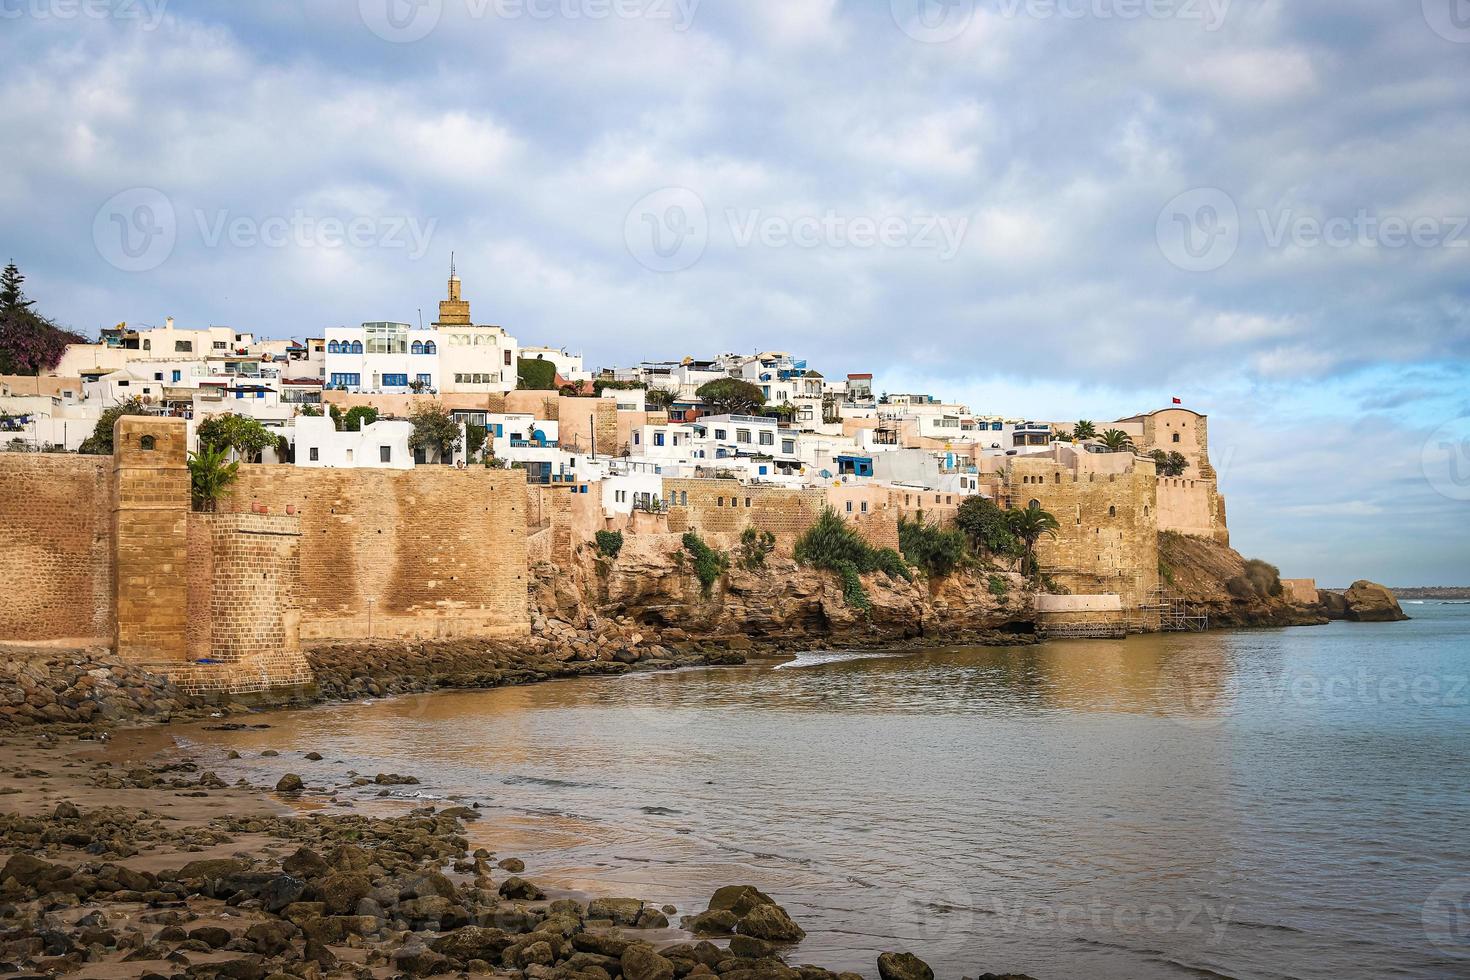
(651, 592)
(1233, 591)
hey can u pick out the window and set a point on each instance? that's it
(356, 348)
(221, 345)
(1176, 437)
(395, 381)
(719, 433)
(346, 380)
(788, 446)
(146, 443)
(184, 346)
(865, 506)
(768, 438)
(315, 454)
(849, 506)
(158, 375)
(427, 380)
(386, 338)
(658, 438)
(178, 375)
(747, 503)
(385, 454)
(719, 501)
(349, 455)
(417, 347)
(742, 435)
(1112, 512)
(431, 348)
(332, 348)
(507, 358)
(683, 498)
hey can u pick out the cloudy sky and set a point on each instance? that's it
(1050, 208)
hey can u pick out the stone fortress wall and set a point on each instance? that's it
(98, 551)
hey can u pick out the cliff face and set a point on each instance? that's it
(657, 594)
(1210, 575)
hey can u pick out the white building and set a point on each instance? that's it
(380, 445)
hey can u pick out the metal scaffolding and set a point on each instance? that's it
(1169, 613)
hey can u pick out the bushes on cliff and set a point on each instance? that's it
(755, 547)
(535, 375)
(609, 543)
(1260, 580)
(833, 544)
(930, 547)
(709, 564)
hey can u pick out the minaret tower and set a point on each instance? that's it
(453, 311)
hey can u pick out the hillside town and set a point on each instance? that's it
(703, 440)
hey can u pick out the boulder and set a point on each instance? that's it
(342, 891)
(520, 888)
(903, 966)
(739, 899)
(1369, 602)
(642, 963)
(305, 863)
(716, 922)
(473, 943)
(290, 783)
(1334, 604)
(771, 922)
(622, 911)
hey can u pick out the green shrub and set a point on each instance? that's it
(609, 543)
(709, 564)
(755, 547)
(535, 375)
(359, 416)
(833, 544)
(999, 586)
(987, 526)
(930, 547)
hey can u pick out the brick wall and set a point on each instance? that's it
(428, 552)
(727, 507)
(150, 486)
(56, 548)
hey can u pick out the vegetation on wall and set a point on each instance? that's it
(535, 375)
(928, 546)
(211, 471)
(99, 443)
(1169, 464)
(609, 384)
(731, 396)
(474, 439)
(709, 563)
(609, 543)
(29, 342)
(1259, 580)
(998, 586)
(987, 527)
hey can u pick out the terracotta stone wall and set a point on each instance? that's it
(150, 485)
(1108, 540)
(1191, 506)
(727, 507)
(56, 548)
(422, 553)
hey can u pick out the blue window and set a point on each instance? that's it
(996, 426)
(334, 348)
(356, 348)
(260, 394)
(762, 471)
(239, 395)
(395, 381)
(426, 379)
(417, 347)
(431, 348)
(178, 375)
(346, 380)
(658, 438)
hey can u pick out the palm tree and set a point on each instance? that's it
(1084, 430)
(210, 474)
(1029, 525)
(658, 399)
(1116, 441)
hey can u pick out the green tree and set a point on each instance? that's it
(1116, 441)
(29, 342)
(240, 434)
(474, 439)
(210, 473)
(833, 544)
(1084, 429)
(310, 411)
(987, 526)
(609, 543)
(731, 396)
(435, 431)
(359, 416)
(659, 399)
(1169, 464)
(1029, 525)
(99, 443)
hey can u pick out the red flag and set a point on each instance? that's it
(1178, 401)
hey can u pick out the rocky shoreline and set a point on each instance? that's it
(120, 857)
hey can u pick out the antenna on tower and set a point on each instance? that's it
(451, 265)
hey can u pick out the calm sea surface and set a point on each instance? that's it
(1289, 803)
